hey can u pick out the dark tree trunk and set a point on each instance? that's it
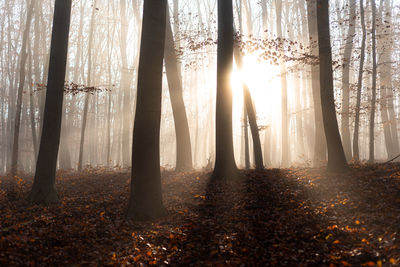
(345, 125)
(320, 142)
(183, 146)
(356, 154)
(336, 158)
(43, 189)
(146, 199)
(225, 165)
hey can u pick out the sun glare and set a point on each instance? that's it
(263, 81)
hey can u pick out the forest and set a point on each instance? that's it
(199, 133)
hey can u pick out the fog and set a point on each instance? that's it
(278, 61)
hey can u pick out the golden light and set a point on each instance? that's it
(264, 83)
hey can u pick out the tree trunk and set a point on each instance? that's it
(345, 125)
(183, 146)
(43, 189)
(88, 83)
(146, 197)
(282, 65)
(386, 76)
(126, 78)
(225, 165)
(251, 114)
(373, 100)
(356, 154)
(336, 158)
(17, 123)
(320, 141)
(246, 137)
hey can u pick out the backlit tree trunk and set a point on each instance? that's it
(336, 158)
(320, 142)
(183, 146)
(146, 198)
(43, 189)
(225, 165)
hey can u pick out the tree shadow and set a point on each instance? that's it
(262, 219)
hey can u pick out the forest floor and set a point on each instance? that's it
(295, 217)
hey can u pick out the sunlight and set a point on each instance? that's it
(264, 83)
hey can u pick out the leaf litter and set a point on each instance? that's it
(293, 217)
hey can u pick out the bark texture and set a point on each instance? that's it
(146, 199)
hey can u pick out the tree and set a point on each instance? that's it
(356, 154)
(373, 100)
(126, 78)
(88, 82)
(336, 158)
(385, 45)
(43, 189)
(146, 198)
(251, 114)
(225, 165)
(346, 80)
(183, 146)
(320, 143)
(283, 71)
(17, 124)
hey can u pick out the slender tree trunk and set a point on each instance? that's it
(126, 79)
(246, 137)
(183, 146)
(373, 100)
(43, 189)
(32, 108)
(251, 114)
(336, 158)
(386, 76)
(282, 65)
(88, 83)
(225, 165)
(17, 123)
(356, 154)
(146, 197)
(345, 125)
(383, 44)
(320, 141)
